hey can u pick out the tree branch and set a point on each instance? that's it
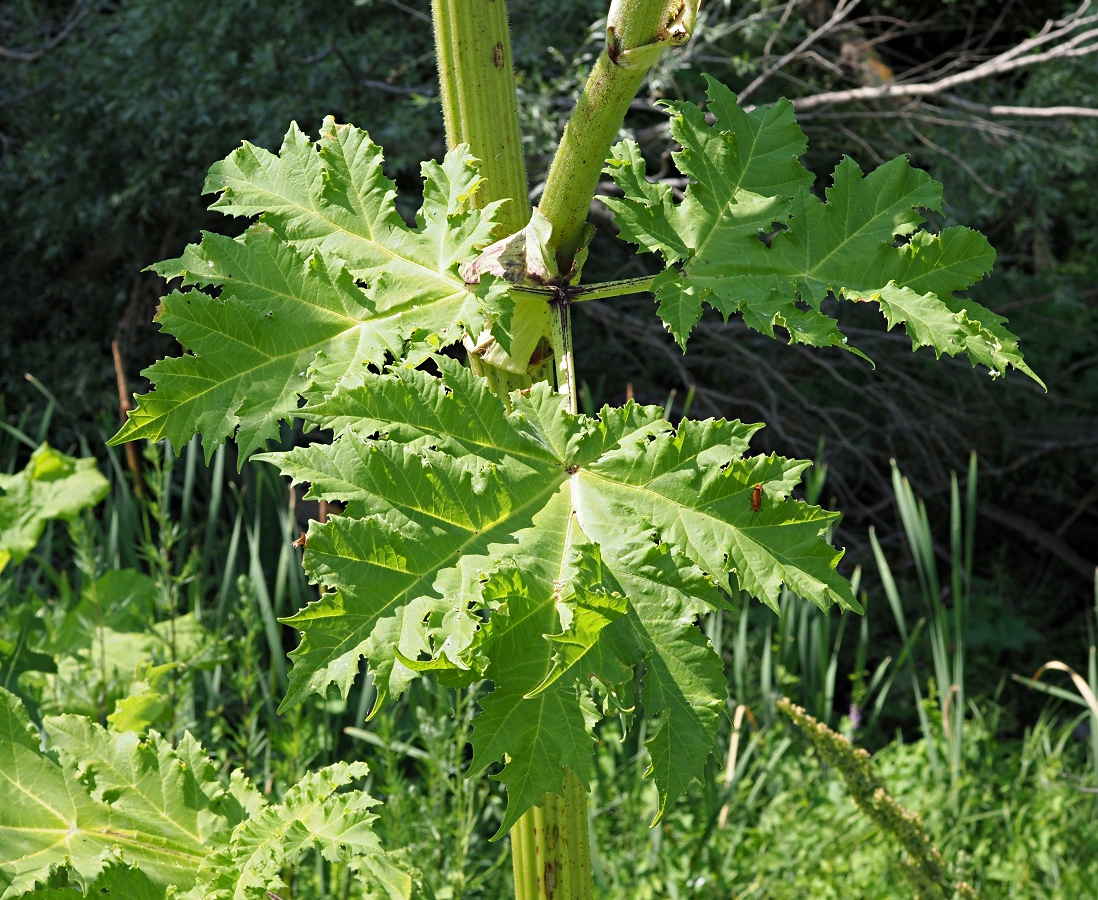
(1070, 38)
(1039, 536)
(34, 55)
(1032, 112)
(842, 10)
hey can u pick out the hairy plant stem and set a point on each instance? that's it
(550, 843)
(550, 849)
(637, 33)
(477, 86)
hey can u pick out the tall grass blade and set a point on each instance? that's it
(271, 628)
(893, 597)
(18, 436)
(213, 511)
(228, 571)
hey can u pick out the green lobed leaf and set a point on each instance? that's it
(114, 800)
(540, 735)
(329, 282)
(51, 486)
(471, 533)
(592, 606)
(683, 688)
(120, 881)
(148, 698)
(864, 242)
(314, 815)
(107, 812)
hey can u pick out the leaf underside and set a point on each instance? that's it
(540, 550)
(751, 238)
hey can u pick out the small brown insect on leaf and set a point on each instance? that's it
(756, 500)
(300, 542)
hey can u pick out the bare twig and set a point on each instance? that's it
(949, 154)
(426, 90)
(778, 30)
(1050, 542)
(1032, 112)
(125, 404)
(1069, 38)
(76, 16)
(403, 7)
(842, 10)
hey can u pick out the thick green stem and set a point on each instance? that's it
(477, 82)
(479, 106)
(637, 33)
(550, 844)
(551, 849)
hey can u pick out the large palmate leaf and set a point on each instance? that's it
(863, 243)
(51, 486)
(113, 800)
(330, 281)
(104, 812)
(610, 535)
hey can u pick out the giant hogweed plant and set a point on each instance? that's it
(490, 531)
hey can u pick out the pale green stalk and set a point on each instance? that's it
(561, 338)
(552, 854)
(479, 106)
(477, 82)
(481, 110)
(550, 844)
(637, 33)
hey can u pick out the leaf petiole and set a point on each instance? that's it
(603, 290)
